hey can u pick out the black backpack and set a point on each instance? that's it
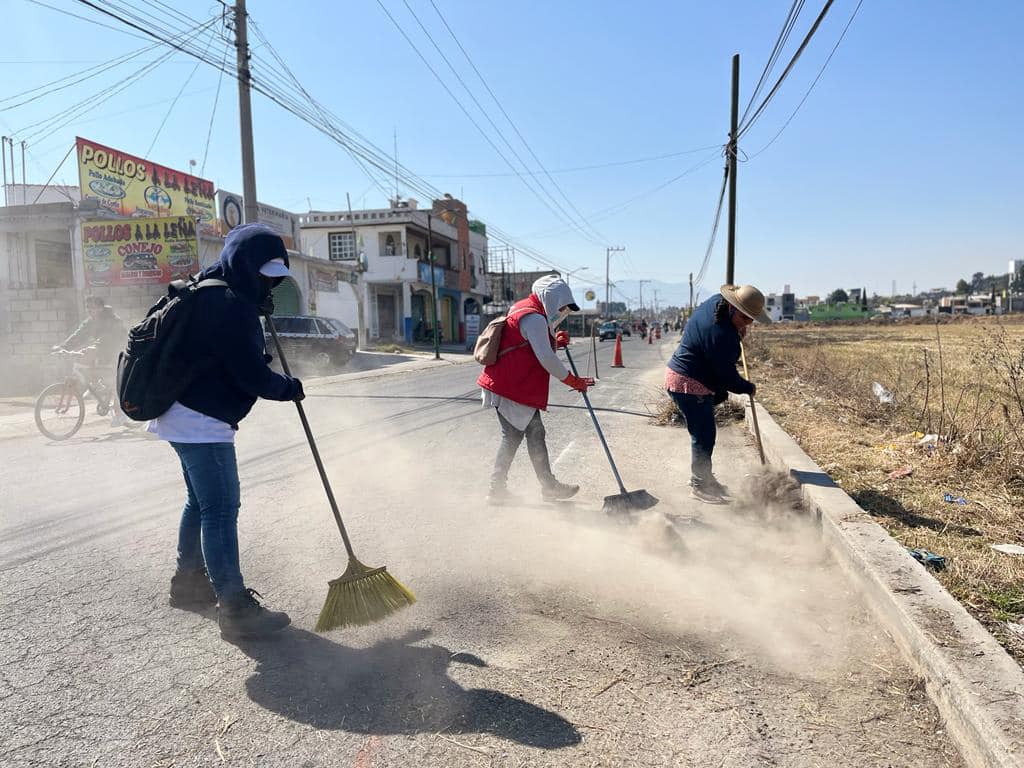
(156, 368)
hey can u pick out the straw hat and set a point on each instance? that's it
(748, 300)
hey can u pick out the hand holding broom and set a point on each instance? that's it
(362, 594)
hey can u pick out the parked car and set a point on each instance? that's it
(320, 342)
(610, 329)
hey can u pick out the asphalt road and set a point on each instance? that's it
(543, 635)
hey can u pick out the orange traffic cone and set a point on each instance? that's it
(617, 360)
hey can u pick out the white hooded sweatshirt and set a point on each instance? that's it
(553, 294)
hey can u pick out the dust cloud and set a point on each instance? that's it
(752, 576)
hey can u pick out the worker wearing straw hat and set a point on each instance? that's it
(702, 372)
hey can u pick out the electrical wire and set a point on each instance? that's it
(714, 230)
(82, 18)
(789, 67)
(814, 83)
(334, 128)
(480, 130)
(515, 128)
(213, 112)
(773, 57)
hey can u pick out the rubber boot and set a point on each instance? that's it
(241, 616)
(191, 589)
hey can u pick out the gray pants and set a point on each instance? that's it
(536, 444)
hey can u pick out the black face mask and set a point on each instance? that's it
(266, 302)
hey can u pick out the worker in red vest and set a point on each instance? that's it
(516, 386)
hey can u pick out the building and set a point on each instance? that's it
(43, 281)
(377, 260)
(507, 287)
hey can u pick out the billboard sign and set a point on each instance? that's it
(120, 252)
(135, 188)
(286, 224)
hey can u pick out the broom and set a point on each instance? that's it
(361, 595)
(753, 409)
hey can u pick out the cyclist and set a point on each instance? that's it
(100, 338)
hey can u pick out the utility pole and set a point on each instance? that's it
(730, 266)
(433, 281)
(251, 213)
(655, 304)
(3, 154)
(360, 285)
(641, 282)
(24, 186)
(607, 283)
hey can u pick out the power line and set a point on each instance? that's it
(564, 216)
(814, 83)
(807, 39)
(714, 230)
(773, 57)
(83, 18)
(515, 128)
(576, 169)
(213, 112)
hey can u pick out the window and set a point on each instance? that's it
(389, 246)
(342, 246)
(417, 252)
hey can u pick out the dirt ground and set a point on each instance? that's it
(935, 454)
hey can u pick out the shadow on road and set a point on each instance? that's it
(394, 687)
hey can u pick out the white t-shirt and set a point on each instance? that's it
(183, 425)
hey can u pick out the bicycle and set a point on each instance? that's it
(60, 408)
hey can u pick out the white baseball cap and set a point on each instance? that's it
(275, 268)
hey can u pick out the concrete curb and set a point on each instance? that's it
(977, 687)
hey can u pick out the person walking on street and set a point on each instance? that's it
(516, 386)
(224, 328)
(702, 372)
(101, 336)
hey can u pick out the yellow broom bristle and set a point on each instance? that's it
(362, 596)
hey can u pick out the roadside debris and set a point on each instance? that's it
(902, 472)
(884, 395)
(1008, 549)
(949, 498)
(928, 559)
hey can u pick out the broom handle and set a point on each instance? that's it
(753, 409)
(597, 426)
(312, 444)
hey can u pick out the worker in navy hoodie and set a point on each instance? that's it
(224, 330)
(702, 373)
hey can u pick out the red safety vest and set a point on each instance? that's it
(518, 374)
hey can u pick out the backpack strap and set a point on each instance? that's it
(528, 310)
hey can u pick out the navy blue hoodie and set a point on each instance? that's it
(709, 351)
(225, 327)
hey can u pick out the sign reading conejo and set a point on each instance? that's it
(130, 186)
(139, 252)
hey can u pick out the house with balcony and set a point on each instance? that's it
(384, 257)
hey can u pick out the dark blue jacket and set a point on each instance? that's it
(224, 327)
(709, 351)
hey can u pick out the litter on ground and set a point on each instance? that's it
(928, 559)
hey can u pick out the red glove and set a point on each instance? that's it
(561, 340)
(579, 384)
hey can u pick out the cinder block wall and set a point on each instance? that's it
(32, 320)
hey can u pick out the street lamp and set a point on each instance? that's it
(570, 274)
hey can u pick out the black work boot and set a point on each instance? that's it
(192, 589)
(241, 616)
(556, 491)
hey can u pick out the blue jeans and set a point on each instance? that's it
(699, 412)
(208, 534)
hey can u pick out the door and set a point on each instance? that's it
(386, 315)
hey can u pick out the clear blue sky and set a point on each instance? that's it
(904, 164)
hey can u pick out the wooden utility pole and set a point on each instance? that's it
(251, 212)
(730, 266)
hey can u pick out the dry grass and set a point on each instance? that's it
(961, 382)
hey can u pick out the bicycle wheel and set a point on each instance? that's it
(60, 411)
